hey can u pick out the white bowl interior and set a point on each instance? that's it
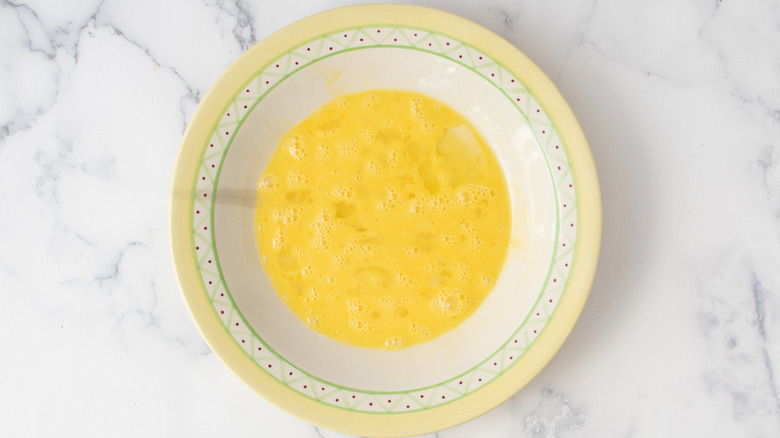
(533, 228)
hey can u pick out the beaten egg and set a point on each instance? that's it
(383, 219)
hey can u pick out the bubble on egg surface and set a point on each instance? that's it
(486, 280)
(296, 146)
(419, 329)
(308, 270)
(464, 272)
(369, 101)
(286, 216)
(361, 325)
(394, 342)
(373, 168)
(348, 147)
(267, 183)
(279, 239)
(388, 304)
(297, 179)
(355, 306)
(323, 151)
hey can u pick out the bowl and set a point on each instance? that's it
(550, 263)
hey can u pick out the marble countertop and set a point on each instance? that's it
(680, 101)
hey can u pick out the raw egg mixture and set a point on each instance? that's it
(383, 219)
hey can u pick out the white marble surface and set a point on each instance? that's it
(680, 101)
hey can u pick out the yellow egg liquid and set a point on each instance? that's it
(383, 219)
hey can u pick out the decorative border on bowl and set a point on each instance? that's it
(206, 256)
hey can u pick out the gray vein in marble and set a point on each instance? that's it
(149, 318)
(735, 324)
(767, 112)
(716, 8)
(55, 38)
(597, 50)
(752, 99)
(60, 45)
(25, 14)
(578, 38)
(509, 19)
(46, 183)
(759, 294)
(107, 283)
(59, 38)
(89, 27)
(27, 18)
(736, 90)
(7, 271)
(763, 108)
(553, 415)
(191, 94)
(749, 100)
(77, 235)
(112, 274)
(245, 31)
(767, 165)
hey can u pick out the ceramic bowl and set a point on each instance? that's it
(555, 230)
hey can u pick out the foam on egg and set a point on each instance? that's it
(383, 219)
